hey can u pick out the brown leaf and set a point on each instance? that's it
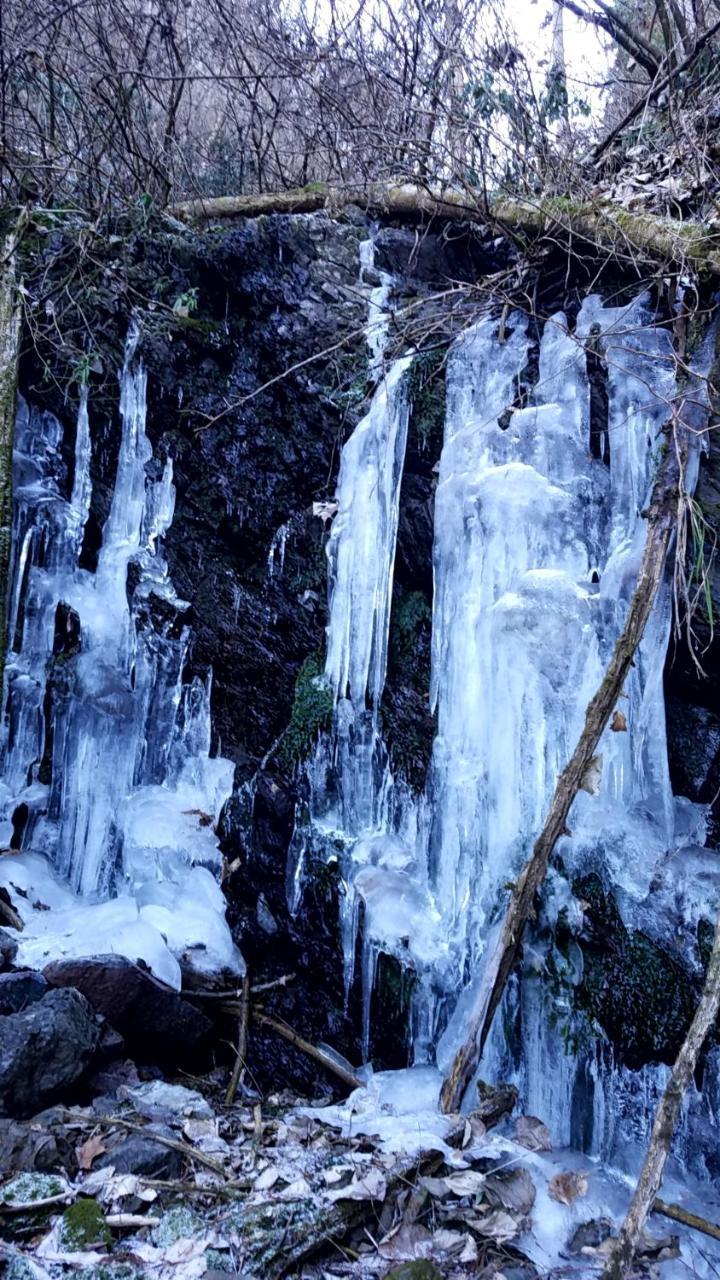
(87, 1151)
(618, 723)
(566, 1187)
(532, 1134)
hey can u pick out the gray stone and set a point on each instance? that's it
(8, 948)
(139, 1154)
(45, 1050)
(18, 990)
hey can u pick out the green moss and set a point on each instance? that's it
(410, 613)
(26, 1188)
(415, 1271)
(311, 713)
(426, 393)
(83, 1224)
(638, 993)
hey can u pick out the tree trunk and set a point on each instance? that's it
(10, 313)
(603, 225)
(661, 521)
(666, 1118)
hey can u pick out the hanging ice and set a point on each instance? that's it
(525, 518)
(107, 766)
(361, 550)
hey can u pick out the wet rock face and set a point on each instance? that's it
(639, 993)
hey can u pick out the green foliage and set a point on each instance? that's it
(311, 713)
(410, 612)
(186, 302)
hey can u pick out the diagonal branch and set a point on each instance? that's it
(666, 1118)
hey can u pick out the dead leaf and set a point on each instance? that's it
(370, 1185)
(592, 776)
(532, 1134)
(500, 1226)
(567, 1187)
(467, 1182)
(511, 1189)
(618, 723)
(407, 1243)
(455, 1244)
(87, 1151)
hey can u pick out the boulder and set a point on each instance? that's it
(8, 948)
(156, 1023)
(18, 990)
(45, 1050)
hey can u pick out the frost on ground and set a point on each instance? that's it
(359, 1190)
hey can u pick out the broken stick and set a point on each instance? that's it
(662, 517)
(313, 1051)
(666, 1118)
(239, 1068)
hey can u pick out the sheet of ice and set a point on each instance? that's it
(400, 1108)
(106, 762)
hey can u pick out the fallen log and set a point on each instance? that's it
(666, 1118)
(662, 517)
(601, 224)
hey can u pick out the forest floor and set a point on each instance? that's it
(164, 1180)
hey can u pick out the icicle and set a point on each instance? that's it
(361, 549)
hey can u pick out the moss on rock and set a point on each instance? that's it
(83, 1224)
(638, 993)
(311, 713)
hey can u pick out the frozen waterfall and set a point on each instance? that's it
(107, 774)
(538, 538)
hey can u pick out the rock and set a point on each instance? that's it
(8, 948)
(172, 1102)
(590, 1235)
(45, 1051)
(156, 1023)
(18, 990)
(138, 1153)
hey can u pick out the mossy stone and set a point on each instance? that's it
(638, 992)
(311, 713)
(83, 1224)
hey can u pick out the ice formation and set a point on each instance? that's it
(106, 746)
(538, 538)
